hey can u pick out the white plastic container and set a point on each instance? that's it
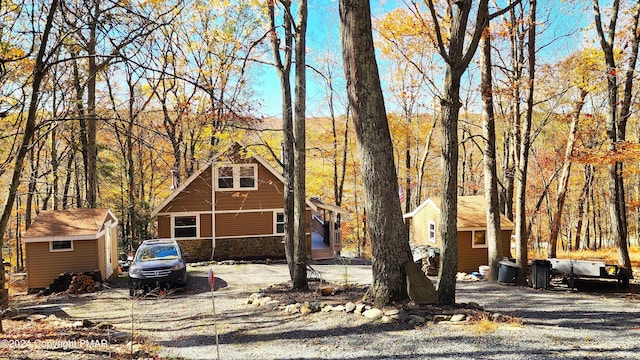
(484, 270)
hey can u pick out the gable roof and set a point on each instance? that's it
(233, 148)
(316, 203)
(71, 224)
(471, 212)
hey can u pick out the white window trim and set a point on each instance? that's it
(51, 249)
(433, 239)
(275, 222)
(473, 236)
(173, 226)
(236, 177)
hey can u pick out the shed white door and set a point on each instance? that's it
(107, 252)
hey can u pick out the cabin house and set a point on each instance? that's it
(233, 208)
(424, 229)
(75, 240)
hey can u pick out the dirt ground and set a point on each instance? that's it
(189, 324)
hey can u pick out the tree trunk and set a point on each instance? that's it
(564, 178)
(283, 68)
(82, 116)
(616, 126)
(92, 118)
(522, 235)
(457, 59)
(39, 72)
(494, 234)
(582, 201)
(299, 189)
(389, 237)
(423, 161)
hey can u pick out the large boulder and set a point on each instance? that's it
(420, 289)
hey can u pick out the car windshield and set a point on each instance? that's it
(157, 252)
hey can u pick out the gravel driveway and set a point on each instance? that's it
(555, 323)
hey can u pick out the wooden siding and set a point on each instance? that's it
(470, 259)
(420, 226)
(164, 227)
(44, 266)
(244, 224)
(195, 197)
(206, 227)
(270, 194)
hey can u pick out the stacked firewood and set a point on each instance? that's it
(74, 283)
(81, 284)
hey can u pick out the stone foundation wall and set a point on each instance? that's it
(270, 247)
(198, 249)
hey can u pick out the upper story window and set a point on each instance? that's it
(237, 177)
(225, 177)
(185, 226)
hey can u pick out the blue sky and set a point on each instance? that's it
(563, 19)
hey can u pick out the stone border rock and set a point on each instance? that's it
(375, 314)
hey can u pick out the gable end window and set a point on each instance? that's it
(64, 245)
(185, 226)
(237, 177)
(225, 177)
(479, 239)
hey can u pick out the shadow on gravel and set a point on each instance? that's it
(501, 347)
(198, 283)
(589, 308)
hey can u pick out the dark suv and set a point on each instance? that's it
(157, 264)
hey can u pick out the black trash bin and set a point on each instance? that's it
(507, 271)
(540, 274)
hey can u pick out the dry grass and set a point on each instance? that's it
(17, 286)
(608, 255)
(484, 325)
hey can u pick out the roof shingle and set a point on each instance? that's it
(72, 222)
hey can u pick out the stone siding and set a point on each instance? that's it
(198, 249)
(270, 247)
(254, 248)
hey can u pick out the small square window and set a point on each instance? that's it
(479, 239)
(225, 177)
(247, 177)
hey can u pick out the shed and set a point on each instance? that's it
(424, 229)
(76, 240)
